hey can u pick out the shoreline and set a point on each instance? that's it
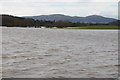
(66, 29)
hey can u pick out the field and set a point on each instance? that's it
(59, 53)
(94, 27)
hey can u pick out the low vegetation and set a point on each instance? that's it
(95, 27)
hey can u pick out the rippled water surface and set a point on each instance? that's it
(59, 53)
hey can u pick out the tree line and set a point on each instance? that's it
(13, 21)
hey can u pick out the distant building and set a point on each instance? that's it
(43, 27)
(54, 27)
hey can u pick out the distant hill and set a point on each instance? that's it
(61, 17)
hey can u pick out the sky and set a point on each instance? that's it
(82, 8)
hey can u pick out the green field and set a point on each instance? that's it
(94, 27)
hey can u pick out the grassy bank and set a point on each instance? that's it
(94, 27)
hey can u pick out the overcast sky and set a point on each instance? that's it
(107, 8)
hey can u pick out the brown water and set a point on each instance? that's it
(59, 53)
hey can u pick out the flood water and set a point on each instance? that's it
(59, 53)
